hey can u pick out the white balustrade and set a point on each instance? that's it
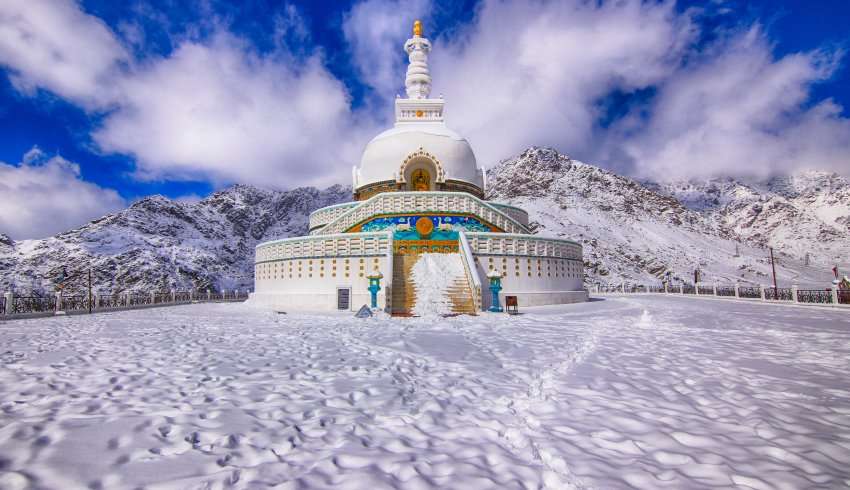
(341, 245)
(530, 245)
(502, 216)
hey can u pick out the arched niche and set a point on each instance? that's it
(421, 171)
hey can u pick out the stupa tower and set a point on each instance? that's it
(418, 202)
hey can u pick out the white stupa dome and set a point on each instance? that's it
(419, 140)
(386, 154)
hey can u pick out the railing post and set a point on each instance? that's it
(623, 287)
(794, 289)
(714, 288)
(696, 288)
(10, 303)
(666, 289)
(58, 301)
(173, 296)
(834, 295)
(127, 299)
(153, 297)
(209, 295)
(761, 292)
(737, 290)
(94, 300)
(681, 289)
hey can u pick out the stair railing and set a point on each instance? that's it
(471, 271)
(388, 283)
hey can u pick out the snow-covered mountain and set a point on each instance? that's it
(806, 213)
(630, 230)
(159, 243)
(637, 231)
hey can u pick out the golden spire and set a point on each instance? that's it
(417, 28)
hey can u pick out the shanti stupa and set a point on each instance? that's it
(419, 227)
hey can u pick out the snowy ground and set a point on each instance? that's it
(637, 392)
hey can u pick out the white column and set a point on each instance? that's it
(95, 302)
(153, 296)
(10, 303)
(666, 290)
(623, 286)
(761, 292)
(834, 295)
(681, 289)
(737, 290)
(173, 296)
(696, 288)
(209, 295)
(714, 287)
(127, 299)
(59, 301)
(794, 289)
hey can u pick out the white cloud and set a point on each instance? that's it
(375, 31)
(52, 44)
(42, 196)
(737, 110)
(220, 111)
(531, 73)
(521, 73)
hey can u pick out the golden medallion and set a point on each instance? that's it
(424, 226)
(419, 113)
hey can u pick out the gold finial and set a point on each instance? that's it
(417, 28)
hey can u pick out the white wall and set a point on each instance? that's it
(277, 283)
(548, 281)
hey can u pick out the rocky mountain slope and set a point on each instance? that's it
(631, 231)
(806, 213)
(159, 243)
(639, 231)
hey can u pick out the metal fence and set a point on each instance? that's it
(823, 296)
(31, 304)
(765, 293)
(12, 306)
(779, 294)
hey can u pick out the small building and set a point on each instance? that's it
(418, 191)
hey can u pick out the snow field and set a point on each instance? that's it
(644, 392)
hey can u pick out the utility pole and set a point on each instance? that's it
(773, 265)
(90, 290)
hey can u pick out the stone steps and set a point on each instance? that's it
(459, 293)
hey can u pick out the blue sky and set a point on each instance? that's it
(103, 102)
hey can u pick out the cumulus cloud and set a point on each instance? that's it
(214, 110)
(532, 73)
(738, 110)
(222, 112)
(375, 31)
(44, 195)
(518, 74)
(53, 45)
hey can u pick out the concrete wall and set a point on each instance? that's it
(535, 281)
(310, 284)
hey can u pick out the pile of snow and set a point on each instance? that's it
(432, 274)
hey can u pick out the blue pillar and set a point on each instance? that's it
(374, 287)
(495, 287)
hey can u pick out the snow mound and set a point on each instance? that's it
(432, 274)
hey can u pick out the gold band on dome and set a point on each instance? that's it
(417, 28)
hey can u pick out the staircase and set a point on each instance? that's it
(460, 295)
(456, 297)
(403, 291)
